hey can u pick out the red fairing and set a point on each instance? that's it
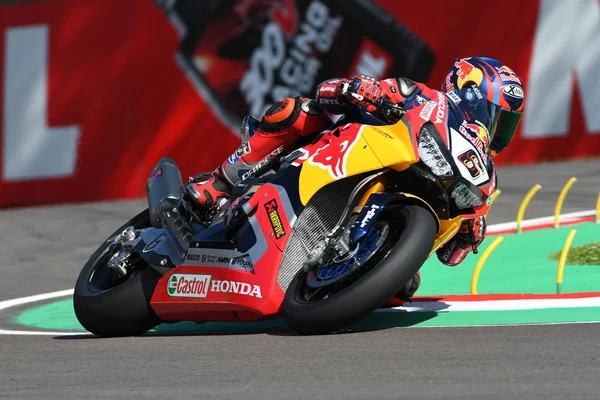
(197, 292)
(434, 111)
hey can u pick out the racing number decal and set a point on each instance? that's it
(470, 160)
(271, 207)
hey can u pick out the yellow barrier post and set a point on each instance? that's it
(524, 204)
(561, 199)
(481, 262)
(562, 260)
(598, 209)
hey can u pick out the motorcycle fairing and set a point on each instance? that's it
(350, 150)
(251, 290)
(244, 278)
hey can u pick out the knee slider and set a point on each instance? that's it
(281, 115)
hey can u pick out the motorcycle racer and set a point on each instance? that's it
(488, 93)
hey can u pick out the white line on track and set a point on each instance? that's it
(498, 305)
(415, 307)
(536, 221)
(32, 299)
(6, 304)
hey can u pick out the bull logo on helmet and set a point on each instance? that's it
(506, 70)
(467, 72)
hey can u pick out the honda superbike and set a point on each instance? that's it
(327, 235)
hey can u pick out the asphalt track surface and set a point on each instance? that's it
(44, 248)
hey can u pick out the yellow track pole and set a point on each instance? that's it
(598, 209)
(561, 199)
(524, 204)
(563, 259)
(481, 262)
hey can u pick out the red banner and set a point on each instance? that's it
(94, 93)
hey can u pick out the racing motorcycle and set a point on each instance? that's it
(329, 233)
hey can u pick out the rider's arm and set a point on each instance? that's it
(329, 93)
(330, 98)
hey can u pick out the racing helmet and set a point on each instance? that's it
(491, 94)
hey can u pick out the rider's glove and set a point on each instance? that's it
(470, 235)
(362, 90)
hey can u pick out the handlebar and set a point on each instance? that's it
(390, 111)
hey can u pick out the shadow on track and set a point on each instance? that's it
(380, 320)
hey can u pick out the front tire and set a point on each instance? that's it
(398, 260)
(120, 308)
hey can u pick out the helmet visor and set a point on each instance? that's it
(501, 123)
(504, 127)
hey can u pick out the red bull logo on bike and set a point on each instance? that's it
(188, 285)
(476, 141)
(333, 156)
(480, 132)
(467, 72)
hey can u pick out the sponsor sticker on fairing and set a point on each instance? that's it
(427, 110)
(188, 285)
(246, 289)
(220, 258)
(370, 214)
(440, 114)
(271, 207)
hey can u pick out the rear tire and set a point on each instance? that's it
(410, 250)
(122, 310)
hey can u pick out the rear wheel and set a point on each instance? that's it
(400, 242)
(107, 304)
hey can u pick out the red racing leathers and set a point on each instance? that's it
(291, 121)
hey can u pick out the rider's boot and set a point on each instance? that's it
(280, 129)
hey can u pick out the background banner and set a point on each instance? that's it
(94, 93)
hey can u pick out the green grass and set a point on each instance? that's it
(588, 254)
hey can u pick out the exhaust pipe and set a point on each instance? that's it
(164, 193)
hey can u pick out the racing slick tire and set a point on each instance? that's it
(412, 233)
(122, 309)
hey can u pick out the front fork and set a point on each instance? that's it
(339, 241)
(376, 188)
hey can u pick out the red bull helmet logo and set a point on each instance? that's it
(508, 75)
(506, 70)
(467, 72)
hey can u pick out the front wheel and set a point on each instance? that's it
(107, 304)
(409, 235)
